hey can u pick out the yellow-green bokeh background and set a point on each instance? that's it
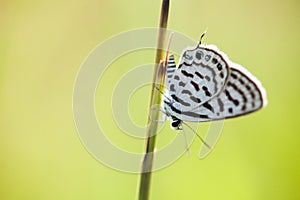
(42, 45)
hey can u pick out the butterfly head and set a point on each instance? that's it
(176, 123)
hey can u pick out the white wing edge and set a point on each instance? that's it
(254, 80)
(242, 69)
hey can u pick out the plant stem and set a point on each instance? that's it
(158, 79)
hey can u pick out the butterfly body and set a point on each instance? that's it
(207, 86)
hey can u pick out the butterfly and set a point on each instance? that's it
(206, 86)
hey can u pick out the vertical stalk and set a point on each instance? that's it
(158, 79)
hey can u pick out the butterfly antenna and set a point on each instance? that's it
(202, 140)
(168, 47)
(203, 34)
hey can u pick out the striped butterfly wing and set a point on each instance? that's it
(242, 94)
(207, 86)
(199, 77)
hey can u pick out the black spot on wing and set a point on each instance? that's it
(195, 85)
(214, 61)
(222, 75)
(219, 66)
(200, 75)
(189, 113)
(199, 55)
(186, 92)
(207, 78)
(182, 84)
(196, 115)
(180, 100)
(244, 107)
(207, 93)
(170, 76)
(233, 75)
(207, 57)
(187, 74)
(230, 98)
(172, 87)
(221, 105)
(195, 99)
(208, 106)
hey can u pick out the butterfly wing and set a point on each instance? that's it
(207, 86)
(200, 76)
(242, 94)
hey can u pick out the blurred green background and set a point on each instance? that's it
(43, 44)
